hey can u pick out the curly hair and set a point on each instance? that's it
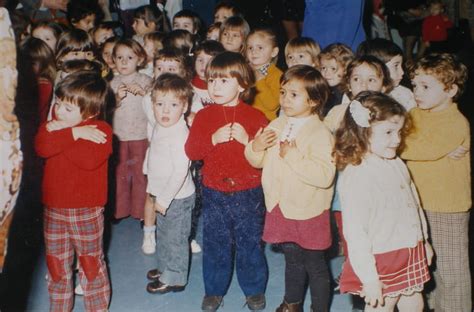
(352, 141)
(444, 67)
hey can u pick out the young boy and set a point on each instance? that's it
(76, 146)
(391, 54)
(187, 20)
(83, 14)
(441, 176)
(170, 186)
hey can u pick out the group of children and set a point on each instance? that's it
(279, 152)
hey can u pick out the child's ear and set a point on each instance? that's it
(453, 91)
(275, 52)
(312, 103)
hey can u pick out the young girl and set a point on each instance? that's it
(261, 52)
(365, 73)
(234, 30)
(146, 19)
(295, 154)
(49, 32)
(213, 31)
(42, 60)
(129, 125)
(74, 44)
(333, 62)
(106, 53)
(180, 39)
(384, 224)
(302, 50)
(232, 195)
(152, 43)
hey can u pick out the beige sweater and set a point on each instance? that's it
(301, 183)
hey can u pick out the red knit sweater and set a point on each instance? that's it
(435, 28)
(225, 167)
(75, 173)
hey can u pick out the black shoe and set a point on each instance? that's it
(211, 303)
(256, 302)
(157, 287)
(153, 275)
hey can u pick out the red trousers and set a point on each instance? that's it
(80, 231)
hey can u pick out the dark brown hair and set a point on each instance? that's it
(314, 84)
(178, 86)
(352, 141)
(233, 64)
(73, 40)
(177, 55)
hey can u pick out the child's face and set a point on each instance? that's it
(202, 60)
(224, 90)
(436, 9)
(126, 61)
(396, 69)
(168, 108)
(78, 55)
(260, 50)
(365, 78)
(47, 35)
(385, 137)
(107, 55)
(149, 49)
(331, 71)
(86, 24)
(213, 34)
(185, 23)
(140, 27)
(222, 14)
(166, 66)
(102, 34)
(299, 58)
(232, 40)
(68, 112)
(294, 99)
(431, 94)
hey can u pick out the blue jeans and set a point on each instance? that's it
(233, 222)
(172, 234)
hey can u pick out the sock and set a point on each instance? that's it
(149, 228)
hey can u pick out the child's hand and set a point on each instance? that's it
(160, 209)
(55, 125)
(122, 91)
(190, 119)
(372, 293)
(239, 133)
(264, 140)
(429, 253)
(286, 146)
(223, 134)
(89, 133)
(135, 89)
(458, 153)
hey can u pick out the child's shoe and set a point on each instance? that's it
(149, 243)
(195, 248)
(78, 290)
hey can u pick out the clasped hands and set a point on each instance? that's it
(229, 132)
(135, 89)
(266, 138)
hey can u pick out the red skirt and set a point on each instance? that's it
(403, 271)
(313, 234)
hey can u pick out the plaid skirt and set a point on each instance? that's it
(403, 271)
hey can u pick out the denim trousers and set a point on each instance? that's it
(172, 234)
(233, 225)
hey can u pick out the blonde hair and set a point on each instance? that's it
(303, 44)
(135, 47)
(267, 33)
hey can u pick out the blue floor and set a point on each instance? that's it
(128, 267)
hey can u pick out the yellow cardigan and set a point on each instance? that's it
(267, 99)
(444, 184)
(301, 183)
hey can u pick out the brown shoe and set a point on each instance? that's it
(289, 307)
(256, 302)
(211, 303)
(153, 275)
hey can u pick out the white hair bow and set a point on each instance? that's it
(360, 114)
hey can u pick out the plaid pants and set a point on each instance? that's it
(449, 236)
(76, 230)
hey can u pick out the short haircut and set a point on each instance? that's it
(339, 52)
(87, 90)
(233, 64)
(373, 62)
(444, 67)
(209, 47)
(149, 14)
(135, 47)
(175, 84)
(197, 24)
(73, 40)
(382, 49)
(80, 9)
(304, 44)
(156, 38)
(236, 23)
(177, 55)
(352, 141)
(314, 84)
(179, 39)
